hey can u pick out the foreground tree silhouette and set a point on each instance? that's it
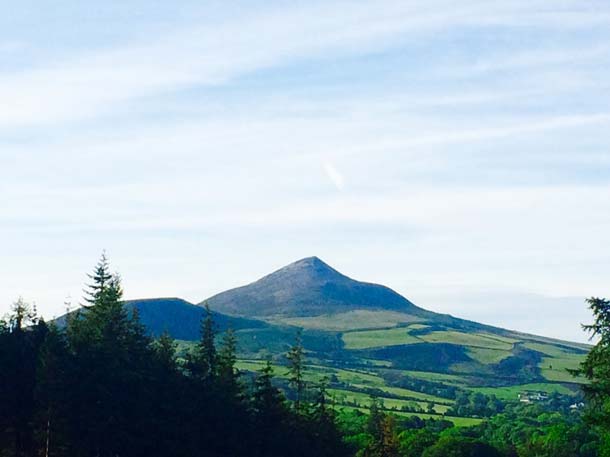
(101, 387)
(596, 368)
(270, 412)
(203, 363)
(20, 339)
(228, 376)
(111, 352)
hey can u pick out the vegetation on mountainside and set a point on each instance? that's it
(101, 385)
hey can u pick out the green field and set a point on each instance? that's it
(486, 355)
(553, 351)
(315, 373)
(468, 339)
(360, 380)
(351, 320)
(378, 338)
(556, 368)
(451, 379)
(343, 396)
(512, 392)
(437, 362)
(406, 393)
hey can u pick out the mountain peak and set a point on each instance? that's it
(310, 262)
(308, 287)
(308, 267)
(313, 260)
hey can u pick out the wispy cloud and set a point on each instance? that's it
(336, 178)
(469, 140)
(94, 83)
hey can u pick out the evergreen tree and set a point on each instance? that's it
(52, 395)
(101, 277)
(227, 358)
(168, 420)
(296, 360)
(165, 351)
(596, 368)
(204, 362)
(324, 424)
(375, 418)
(269, 411)
(111, 371)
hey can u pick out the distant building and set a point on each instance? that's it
(577, 406)
(530, 397)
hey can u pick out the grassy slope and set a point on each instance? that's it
(488, 356)
(359, 367)
(352, 398)
(486, 349)
(482, 347)
(352, 320)
(378, 338)
(476, 340)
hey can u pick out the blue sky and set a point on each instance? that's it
(458, 154)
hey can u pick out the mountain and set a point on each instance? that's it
(309, 287)
(368, 339)
(369, 326)
(181, 319)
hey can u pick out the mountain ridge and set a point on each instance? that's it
(308, 287)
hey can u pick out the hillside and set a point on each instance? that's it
(384, 333)
(369, 339)
(366, 340)
(183, 319)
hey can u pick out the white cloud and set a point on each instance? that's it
(336, 178)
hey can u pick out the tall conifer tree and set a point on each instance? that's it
(204, 363)
(296, 359)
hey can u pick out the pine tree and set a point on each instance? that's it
(52, 395)
(227, 358)
(204, 363)
(323, 422)
(266, 396)
(596, 367)
(296, 359)
(165, 350)
(320, 409)
(102, 278)
(112, 369)
(375, 418)
(269, 410)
